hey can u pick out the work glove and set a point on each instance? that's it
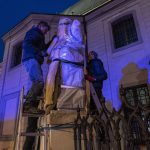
(48, 60)
(44, 54)
(89, 78)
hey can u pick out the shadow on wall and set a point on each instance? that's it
(133, 75)
(145, 63)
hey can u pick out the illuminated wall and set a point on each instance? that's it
(128, 61)
(129, 66)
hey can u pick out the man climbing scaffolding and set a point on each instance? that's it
(34, 51)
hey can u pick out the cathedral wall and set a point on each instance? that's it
(127, 66)
(100, 39)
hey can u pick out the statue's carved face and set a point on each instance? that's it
(63, 27)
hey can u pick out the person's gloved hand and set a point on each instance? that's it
(48, 60)
(44, 54)
(90, 78)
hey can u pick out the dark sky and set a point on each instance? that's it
(13, 11)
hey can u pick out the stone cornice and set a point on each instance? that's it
(105, 8)
(24, 24)
(30, 20)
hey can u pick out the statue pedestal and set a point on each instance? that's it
(60, 134)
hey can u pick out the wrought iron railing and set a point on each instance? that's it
(125, 129)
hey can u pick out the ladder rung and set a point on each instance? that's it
(32, 115)
(31, 134)
(39, 98)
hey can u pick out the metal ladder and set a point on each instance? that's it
(95, 97)
(19, 133)
(39, 133)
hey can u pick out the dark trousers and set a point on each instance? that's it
(32, 127)
(36, 76)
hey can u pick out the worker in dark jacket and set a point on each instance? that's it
(96, 75)
(34, 50)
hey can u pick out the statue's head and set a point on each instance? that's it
(70, 29)
(63, 26)
(65, 21)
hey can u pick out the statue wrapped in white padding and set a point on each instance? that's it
(65, 79)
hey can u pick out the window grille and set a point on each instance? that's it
(148, 124)
(124, 31)
(136, 131)
(137, 96)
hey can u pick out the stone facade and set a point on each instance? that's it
(128, 66)
(116, 62)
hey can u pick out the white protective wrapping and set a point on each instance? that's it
(68, 46)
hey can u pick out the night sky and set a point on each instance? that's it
(13, 11)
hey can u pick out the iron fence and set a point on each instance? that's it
(125, 129)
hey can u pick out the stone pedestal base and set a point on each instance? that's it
(60, 134)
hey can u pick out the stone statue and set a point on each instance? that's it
(65, 78)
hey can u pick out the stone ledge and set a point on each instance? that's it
(60, 117)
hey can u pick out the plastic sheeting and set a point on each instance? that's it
(67, 46)
(71, 99)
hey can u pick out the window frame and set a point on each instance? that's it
(128, 111)
(12, 58)
(139, 41)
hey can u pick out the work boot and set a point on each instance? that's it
(35, 91)
(31, 107)
(31, 103)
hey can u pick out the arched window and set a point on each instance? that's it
(136, 131)
(16, 55)
(137, 94)
(139, 99)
